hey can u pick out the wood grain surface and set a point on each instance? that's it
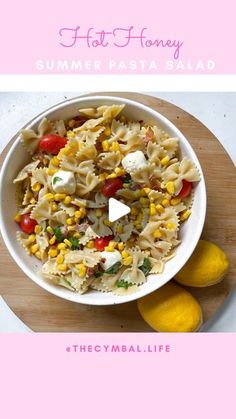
(45, 313)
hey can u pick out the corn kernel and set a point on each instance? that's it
(52, 253)
(127, 261)
(82, 269)
(34, 248)
(98, 212)
(170, 187)
(67, 200)
(147, 190)
(90, 244)
(52, 240)
(31, 238)
(160, 209)
(165, 202)
(144, 201)
(49, 196)
(61, 246)
(77, 235)
(78, 214)
(107, 131)
(62, 267)
(38, 254)
(111, 176)
(51, 172)
(71, 228)
(102, 176)
(60, 259)
(113, 244)
(83, 211)
(157, 234)
(68, 243)
(115, 146)
(36, 187)
(60, 196)
(165, 161)
(175, 201)
(69, 221)
(55, 161)
(124, 254)
(49, 230)
(120, 246)
(33, 201)
(105, 146)
(171, 226)
(109, 248)
(184, 216)
(17, 218)
(120, 229)
(119, 171)
(138, 226)
(107, 223)
(37, 229)
(152, 209)
(54, 207)
(134, 211)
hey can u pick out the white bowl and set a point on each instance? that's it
(17, 158)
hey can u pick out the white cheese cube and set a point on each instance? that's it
(110, 259)
(64, 182)
(134, 161)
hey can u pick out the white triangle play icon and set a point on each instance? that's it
(116, 209)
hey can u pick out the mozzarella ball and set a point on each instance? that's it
(64, 182)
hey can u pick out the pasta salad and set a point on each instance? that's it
(76, 166)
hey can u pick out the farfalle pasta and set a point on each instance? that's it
(74, 167)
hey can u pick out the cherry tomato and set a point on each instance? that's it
(111, 186)
(186, 189)
(27, 224)
(101, 242)
(52, 143)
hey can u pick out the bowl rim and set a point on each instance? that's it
(85, 299)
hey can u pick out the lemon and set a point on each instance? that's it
(207, 266)
(171, 309)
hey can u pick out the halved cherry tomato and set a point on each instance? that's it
(101, 242)
(111, 186)
(52, 143)
(27, 224)
(186, 189)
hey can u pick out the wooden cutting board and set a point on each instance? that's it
(45, 313)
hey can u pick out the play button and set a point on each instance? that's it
(116, 209)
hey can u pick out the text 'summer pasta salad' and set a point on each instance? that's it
(76, 166)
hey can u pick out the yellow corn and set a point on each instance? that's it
(107, 223)
(184, 216)
(105, 146)
(55, 161)
(157, 234)
(67, 200)
(61, 246)
(52, 253)
(59, 196)
(34, 248)
(62, 267)
(37, 229)
(54, 207)
(49, 196)
(17, 218)
(109, 248)
(144, 201)
(171, 226)
(68, 243)
(51, 172)
(152, 209)
(127, 261)
(83, 211)
(165, 161)
(31, 238)
(98, 212)
(38, 255)
(124, 254)
(102, 176)
(78, 214)
(120, 229)
(134, 211)
(175, 201)
(82, 270)
(170, 187)
(119, 171)
(70, 134)
(165, 202)
(76, 235)
(36, 187)
(90, 244)
(115, 146)
(160, 209)
(138, 226)
(52, 240)
(111, 176)
(49, 230)
(147, 190)
(107, 131)
(60, 259)
(33, 201)
(120, 246)
(69, 221)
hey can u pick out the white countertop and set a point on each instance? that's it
(216, 110)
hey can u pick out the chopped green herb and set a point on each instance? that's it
(58, 233)
(146, 266)
(123, 284)
(56, 179)
(74, 242)
(114, 268)
(98, 274)
(127, 178)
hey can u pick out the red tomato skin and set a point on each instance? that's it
(101, 242)
(27, 225)
(111, 186)
(52, 143)
(186, 189)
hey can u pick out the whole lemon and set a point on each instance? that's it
(171, 309)
(207, 266)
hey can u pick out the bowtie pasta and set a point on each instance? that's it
(76, 166)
